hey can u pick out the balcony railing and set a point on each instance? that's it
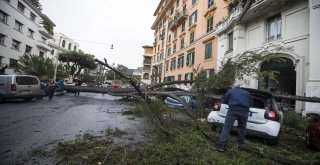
(43, 45)
(178, 19)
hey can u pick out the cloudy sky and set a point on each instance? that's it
(125, 24)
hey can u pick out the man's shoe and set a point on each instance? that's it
(220, 149)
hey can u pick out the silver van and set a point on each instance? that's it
(19, 87)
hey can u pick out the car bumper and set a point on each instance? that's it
(270, 129)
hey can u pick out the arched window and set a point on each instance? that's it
(63, 43)
(69, 46)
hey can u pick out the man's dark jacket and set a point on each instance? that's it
(238, 99)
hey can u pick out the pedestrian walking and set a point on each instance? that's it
(51, 89)
(239, 102)
(78, 83)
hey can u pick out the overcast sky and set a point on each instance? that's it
(125, 24)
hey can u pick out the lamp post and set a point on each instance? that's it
(114, 74)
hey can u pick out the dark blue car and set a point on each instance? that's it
(173, 103)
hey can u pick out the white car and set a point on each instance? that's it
(264, 119)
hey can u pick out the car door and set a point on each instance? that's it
(27, 85)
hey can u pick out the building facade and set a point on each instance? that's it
(21, 32)
(292, 25)
(184, 38)
(146, 64)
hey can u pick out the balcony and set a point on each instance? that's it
(147, 62)
(178, 19)
(44, 32)
(44, 45)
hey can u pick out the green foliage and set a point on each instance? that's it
(35, 65)
(87, 78)
(76, 61)
(295, 120)
(36, 4)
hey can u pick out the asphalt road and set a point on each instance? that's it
(25, 126)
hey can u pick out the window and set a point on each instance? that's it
(3, 17)
(15, 44)
(177, 3)
(74, 48)
(188, 76)
(2, 39)
(192, 37)
(69, 46)
(169, 38)
(182, 43)
(32, 17)
(193, 2)
(18, 26)
(63, 43)
(154, 58)
(190, 59)
(169, 51)
(180, 62)
(209, 73)
(28, 49)
(52, 52)
(230, 37)
(175, 33)
(167, 66)
(193, 18)
(208, 50)
(164, 20)
(41, 54)
(209, 24)
(161, 56)
(21, 7)
(13, 63)
(171, 11)
(173, 64)
(184, 9)
(183, 26)
(30, 33)
(274, 28)
(174, 48)
(179, 77)
(210, 3)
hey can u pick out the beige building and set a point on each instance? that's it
(185, 39)
(146, 64)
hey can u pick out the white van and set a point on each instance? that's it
(19, 87)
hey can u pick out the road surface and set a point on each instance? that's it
(26, 126)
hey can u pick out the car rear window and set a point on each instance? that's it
(258, 103)
(25, 80)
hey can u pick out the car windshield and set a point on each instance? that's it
(25, 80)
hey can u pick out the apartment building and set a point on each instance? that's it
(21, 33)
(146, 64)
(294, 25)
(185, 39)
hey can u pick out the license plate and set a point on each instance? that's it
(25, 92)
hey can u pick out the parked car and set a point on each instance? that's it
(19, 87)
(173, 103)
(312, 135)
(264, 118)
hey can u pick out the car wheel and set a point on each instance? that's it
(308, 140)
(28, 99)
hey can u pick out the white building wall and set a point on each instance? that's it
(313, 84)
(295, 34)
(8, 30)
